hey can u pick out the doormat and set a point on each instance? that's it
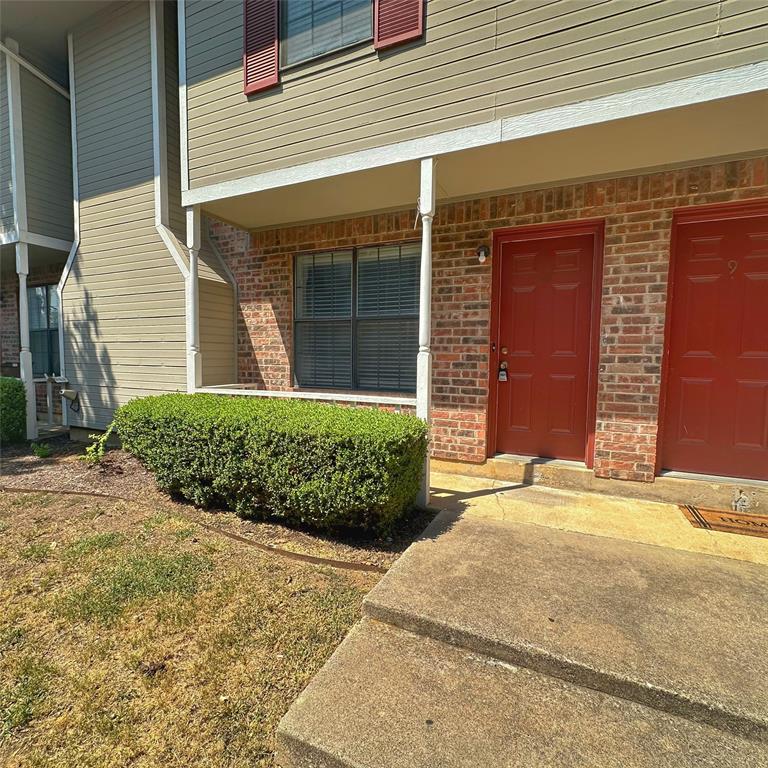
(727, 522)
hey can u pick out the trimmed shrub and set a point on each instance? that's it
(13, 410)
(303, 462)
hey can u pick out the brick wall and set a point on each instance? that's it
(638, 214)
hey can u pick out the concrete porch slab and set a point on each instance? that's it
(391, 699)
(638, 520)
(670, 488)
(681, 632)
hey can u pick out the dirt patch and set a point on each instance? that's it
(120, 474)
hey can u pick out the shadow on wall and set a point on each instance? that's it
(88, 365)
(264, 308)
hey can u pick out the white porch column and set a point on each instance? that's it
(194, 360)
(25, 354)
(424, 359)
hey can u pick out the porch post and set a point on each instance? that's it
(424, 359)
(25, 353)
(194, 361)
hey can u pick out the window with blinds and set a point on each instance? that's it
(43, 303)
(356, 318)
(312, 28)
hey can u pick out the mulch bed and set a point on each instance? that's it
(120, 474)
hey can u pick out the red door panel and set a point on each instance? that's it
(545, 304)
(716, 415)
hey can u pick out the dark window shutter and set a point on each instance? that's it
(260, 42)
(397, 21)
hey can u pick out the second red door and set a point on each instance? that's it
(543, 345)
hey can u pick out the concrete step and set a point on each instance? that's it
(391, 699)
(671, 488)
(683, 633)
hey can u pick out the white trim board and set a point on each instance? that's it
(182, 43)
(679, 93)
(45, 241)
(160, 136)
(35, 71)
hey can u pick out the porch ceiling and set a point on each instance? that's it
(43, 25)
(716, 129)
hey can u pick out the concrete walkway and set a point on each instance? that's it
(646, 522)
(538, 628)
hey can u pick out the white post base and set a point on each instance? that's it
(25, 366)
(194, 371)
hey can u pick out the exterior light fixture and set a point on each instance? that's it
(483, 252)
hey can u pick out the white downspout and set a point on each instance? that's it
(194, 361)
(424, 358)
(75, 220)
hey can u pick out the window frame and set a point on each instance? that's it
(353, 319)
(317, 57)
(51, 332)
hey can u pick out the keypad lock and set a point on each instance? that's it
(503, 370)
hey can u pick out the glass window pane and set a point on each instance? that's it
(53, 352)
(312, 28)
(36, 298)
(53, 307)
(388, 281)
(324, 354)
(324, 285)
(38, 342)
(386, 354)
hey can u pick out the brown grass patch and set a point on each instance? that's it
(133, 638)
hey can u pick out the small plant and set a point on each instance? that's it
(41, 450)
(94, 453)
(13, 410)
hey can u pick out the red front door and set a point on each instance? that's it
(544, 319)
(716, 415)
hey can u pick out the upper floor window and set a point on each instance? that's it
(281, 33)
(312, 28)
(44, 329)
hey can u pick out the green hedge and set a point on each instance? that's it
(13, 410)
(303, 462)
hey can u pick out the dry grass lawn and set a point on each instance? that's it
(133, 637)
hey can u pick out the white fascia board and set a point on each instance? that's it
(414, 149)
(642, 101)
(679, 93)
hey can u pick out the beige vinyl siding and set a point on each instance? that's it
(481, 60)
(6, 183)
(124, 306)
(217, 332)
(47, 158)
